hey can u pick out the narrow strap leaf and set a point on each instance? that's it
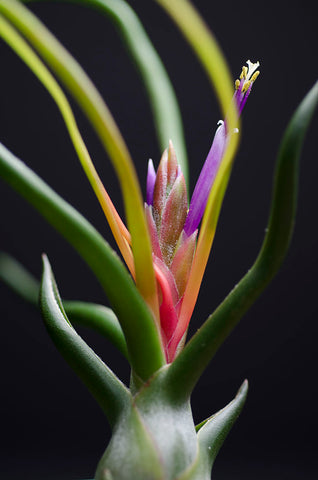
(107, 389)
(206, 48)
(163, 100)
(97, 317)
(85, 94)
(129, 307)
(18, 279)
(189, 365)
(21, 48)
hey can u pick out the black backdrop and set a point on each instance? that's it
(51, 428)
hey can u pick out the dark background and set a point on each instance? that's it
(51, 428)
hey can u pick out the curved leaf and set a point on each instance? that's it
(97, 317)
(189, 365)
(163, 101)
(24, 51)
(129, 307)
(16, 277)
(212, 435)
(73, 77)
(107, 389)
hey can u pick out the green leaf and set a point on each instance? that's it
(107, 389)
(212, 435)
(25, 52)
(189, 365)
(208, 52)
(16, 277)
(131, 453)
(128, 305)
(155, 440)
(163, 101)
(97, 317)
(73, 77)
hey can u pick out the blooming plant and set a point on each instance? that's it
(165, 245)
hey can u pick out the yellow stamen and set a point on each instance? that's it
(246, 85)
(244, 72)
(254, 76)
(249, 74)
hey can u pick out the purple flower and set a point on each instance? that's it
(215, 155)
(173, 227)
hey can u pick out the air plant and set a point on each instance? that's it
(165, 243)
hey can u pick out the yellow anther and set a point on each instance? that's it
(246, 85)
(254, 76)
(244, 72)
(237, 84)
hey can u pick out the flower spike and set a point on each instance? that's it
(166, 212)
(179, 263)
(211, 183)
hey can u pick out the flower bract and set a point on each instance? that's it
(173, 225)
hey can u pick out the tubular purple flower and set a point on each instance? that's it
(243, 86)
(210, 168)
(205, 181)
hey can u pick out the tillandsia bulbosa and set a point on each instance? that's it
(164, 242)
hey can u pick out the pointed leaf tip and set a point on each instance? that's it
(211, 435)
(214, 431)
(107, 389)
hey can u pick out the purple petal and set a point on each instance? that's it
(151, 179)
(243, 101)
(205, 181)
